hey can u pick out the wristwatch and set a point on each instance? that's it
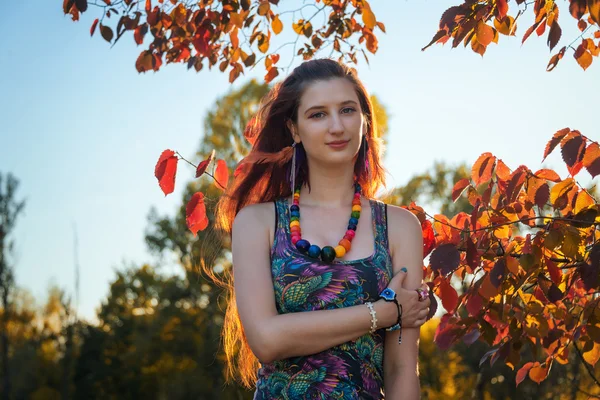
(388, 294)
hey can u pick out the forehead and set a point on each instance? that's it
(327, 92)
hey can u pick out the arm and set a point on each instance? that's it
(401, 375)
(272, 336)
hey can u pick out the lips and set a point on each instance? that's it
(337, 144)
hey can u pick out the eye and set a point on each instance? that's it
(348, 110)
(317, 115)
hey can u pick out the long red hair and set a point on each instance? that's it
(262, 176)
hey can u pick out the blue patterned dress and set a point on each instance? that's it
(352, 370)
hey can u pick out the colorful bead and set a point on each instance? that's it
(327, 254)
(314, 251)
(346, 244)
(340, 251)
(303, 245)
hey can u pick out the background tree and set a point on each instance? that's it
(9, 211)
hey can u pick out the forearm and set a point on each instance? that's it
(310, 332)
(402, 384)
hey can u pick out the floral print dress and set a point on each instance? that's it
(352, 370)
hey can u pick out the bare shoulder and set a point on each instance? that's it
(255, 215)
(404, 233)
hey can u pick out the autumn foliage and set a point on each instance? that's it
(479, 23)
(529, 257)
(528, 254)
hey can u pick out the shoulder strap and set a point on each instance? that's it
(380, 223)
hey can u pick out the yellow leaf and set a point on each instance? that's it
(298, 27)
(368, 17)
(592, 356)
(505, 26)
(583, 200)
(560, 190)
(485, 33)
(277, 25)
(584, 59)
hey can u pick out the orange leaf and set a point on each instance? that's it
(165, 171)
(482, 169)
(556, 138)
(93, 28)
(583, 57)
(271, 74)
(204, 164)
(523, 371)
(591, 159)
(594, 7)
(221, 175)
(538, 373)
(195, 213)
(276, 25)
(233, 37)
(459, 187)
(548, 174)
(448, 295)
(368, 17)
(485, 33)
(148, 6)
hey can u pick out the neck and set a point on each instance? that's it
(330, 186)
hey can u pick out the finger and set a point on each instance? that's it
(402, 275)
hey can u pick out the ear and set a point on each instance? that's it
(292, 129)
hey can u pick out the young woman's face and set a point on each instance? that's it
(330, 121)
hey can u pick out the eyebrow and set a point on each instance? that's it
(343, 103)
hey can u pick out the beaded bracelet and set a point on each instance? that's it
(373, 316)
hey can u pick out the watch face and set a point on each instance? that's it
(388, 293)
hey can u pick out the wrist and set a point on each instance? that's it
(387, 313)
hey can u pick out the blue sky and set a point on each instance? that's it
(82, 130)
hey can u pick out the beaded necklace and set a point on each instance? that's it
(327, 254)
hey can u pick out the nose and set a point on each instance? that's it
(336, 127)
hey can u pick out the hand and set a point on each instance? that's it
(414, 312)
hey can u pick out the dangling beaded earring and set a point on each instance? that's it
(367, 167)
(293, 168)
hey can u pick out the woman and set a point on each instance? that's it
(341, 321)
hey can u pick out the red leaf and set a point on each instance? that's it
(591, 159)
(502, 8)
(165, 171)
(572, 148)
(271, 74)
(148, 6)
(523, 371)
(93, 28)
(482, 169)
(558, 136)
(448, 295)
(577, 8)
(554, 35)
(459, 187)
(139, 33)
(204, 164)
(428, 237)
(555, 272)
(445, 258)
(221, 175)
(195, 213)
(475, 304)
